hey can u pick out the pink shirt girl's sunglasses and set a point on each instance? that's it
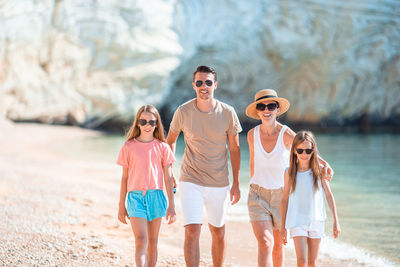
(143, 122)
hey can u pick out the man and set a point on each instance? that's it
(208, 125)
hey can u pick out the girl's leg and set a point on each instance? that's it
(139, 227)
(265, 239)
(277, 252)
(153, 231)
(300, 244)
(313, 249)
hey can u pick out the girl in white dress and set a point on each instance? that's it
(303, 205)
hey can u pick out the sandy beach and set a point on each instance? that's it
(58, 210)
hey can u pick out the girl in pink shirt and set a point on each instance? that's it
(147, 166)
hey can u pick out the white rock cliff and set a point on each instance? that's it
(90, 62)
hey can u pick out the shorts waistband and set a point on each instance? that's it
(144, 192)
(261, 190)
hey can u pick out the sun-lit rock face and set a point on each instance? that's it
(332, 60)
(84, 62)
(90, 62)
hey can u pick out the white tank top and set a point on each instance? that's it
(269, 168)
(305, 205)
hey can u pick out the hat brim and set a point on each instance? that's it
(283, 107)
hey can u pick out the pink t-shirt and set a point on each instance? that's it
(145, 162)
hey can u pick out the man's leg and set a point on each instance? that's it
(191, 245)
(218, 244)
(217, 202)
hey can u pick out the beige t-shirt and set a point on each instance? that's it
(205, 160)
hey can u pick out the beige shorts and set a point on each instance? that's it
(265, 205)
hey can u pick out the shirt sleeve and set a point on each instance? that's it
(168, 156)
(176, 123)
(234, 126)
(123, 157)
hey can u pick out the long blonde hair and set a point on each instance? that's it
(134, 130)
(316, 170)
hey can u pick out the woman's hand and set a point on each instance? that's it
(327, 173)
(122, 214)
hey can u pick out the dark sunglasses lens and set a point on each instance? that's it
(271, 106)
(200, 83)
(301, 150)
(209, 82)
(142, 122)
(261, 106)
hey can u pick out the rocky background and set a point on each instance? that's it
(93, 63)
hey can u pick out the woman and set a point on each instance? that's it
(269, 147)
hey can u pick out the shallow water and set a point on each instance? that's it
(366, 186)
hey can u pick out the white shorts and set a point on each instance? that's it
(194, 197)
(313, 230)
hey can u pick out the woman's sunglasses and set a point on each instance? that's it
(270, 106)
(307, 150)
(143, 122)
(207, 82)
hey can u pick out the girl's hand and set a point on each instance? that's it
(336, 229)
(122, 214)
(171, 215)
(284, 235)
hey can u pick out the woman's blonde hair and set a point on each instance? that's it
(134, 130)
(298, 139)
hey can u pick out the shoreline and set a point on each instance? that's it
(354, 127)
(61, 210)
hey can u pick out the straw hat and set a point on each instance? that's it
(263, 95)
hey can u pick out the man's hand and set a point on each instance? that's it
(235, 194)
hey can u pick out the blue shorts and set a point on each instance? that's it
(151, 206)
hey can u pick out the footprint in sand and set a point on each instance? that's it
(87, 202)
(70, 198)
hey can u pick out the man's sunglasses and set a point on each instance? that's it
(308, 150)
(207, 82)
(270, 106)
(143, 122)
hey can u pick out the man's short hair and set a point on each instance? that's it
(205, 69)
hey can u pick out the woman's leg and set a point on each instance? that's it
(265, 239)
(313, 249)
(277, 252)
(300, 244)
(153, 232)
(139, 227)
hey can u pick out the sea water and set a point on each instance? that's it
(366, 187)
